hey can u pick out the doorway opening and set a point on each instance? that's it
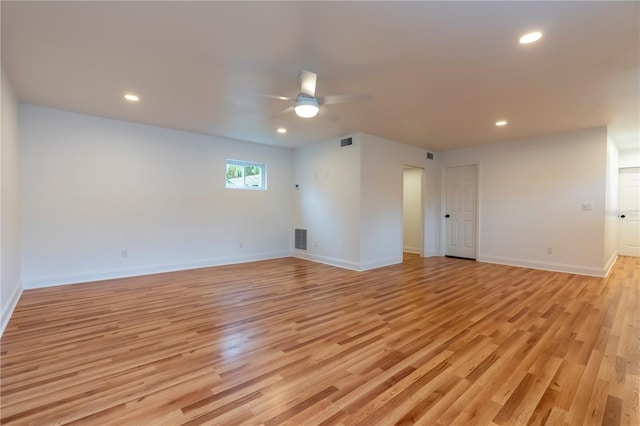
(412, 212)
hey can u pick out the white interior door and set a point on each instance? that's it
(629, 226)
(460, 211)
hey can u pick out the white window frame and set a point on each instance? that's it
(244, 164)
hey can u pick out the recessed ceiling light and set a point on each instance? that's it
(131, 97)
(281, 130)
(501, 123)
(530, 37)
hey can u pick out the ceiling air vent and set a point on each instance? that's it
(301, 239)
(346, 142)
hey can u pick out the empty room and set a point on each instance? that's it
(320, 213)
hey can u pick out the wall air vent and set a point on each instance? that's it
(346, 142)
(429, 155)
(301, 239)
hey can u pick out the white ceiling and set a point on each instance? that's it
(440, 73)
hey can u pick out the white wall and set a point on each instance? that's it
(381, 205)
(94, 186)
(412, 210)
(10, 285)
(530, 197)
(611, 207)
(629, 158)
(327, 202)
(350, 201)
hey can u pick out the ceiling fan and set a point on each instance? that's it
(307, 104)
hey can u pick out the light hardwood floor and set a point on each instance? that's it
(431, 341)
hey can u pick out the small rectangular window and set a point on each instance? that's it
(246, 175)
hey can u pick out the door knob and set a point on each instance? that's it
(446, 215)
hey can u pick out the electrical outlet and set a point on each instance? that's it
(549, 250)
(587, 207)
(241, 244)
(315, 244)
(124, 253)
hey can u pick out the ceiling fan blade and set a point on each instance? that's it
(308, 83)
(284, 111)
(280, 98)
(328, 114)
(341, 99)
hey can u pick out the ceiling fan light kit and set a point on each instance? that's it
(306, 107)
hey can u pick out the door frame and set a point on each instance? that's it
(443, 205)
(422, 209)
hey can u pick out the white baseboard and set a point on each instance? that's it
(380, 263)
(612, 261)
(346, 264)
(546, 266)
(426, 254)
(333, 261)
(9, 307)
(89, 276)
(414, 250)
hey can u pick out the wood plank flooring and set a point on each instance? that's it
(433, 341)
